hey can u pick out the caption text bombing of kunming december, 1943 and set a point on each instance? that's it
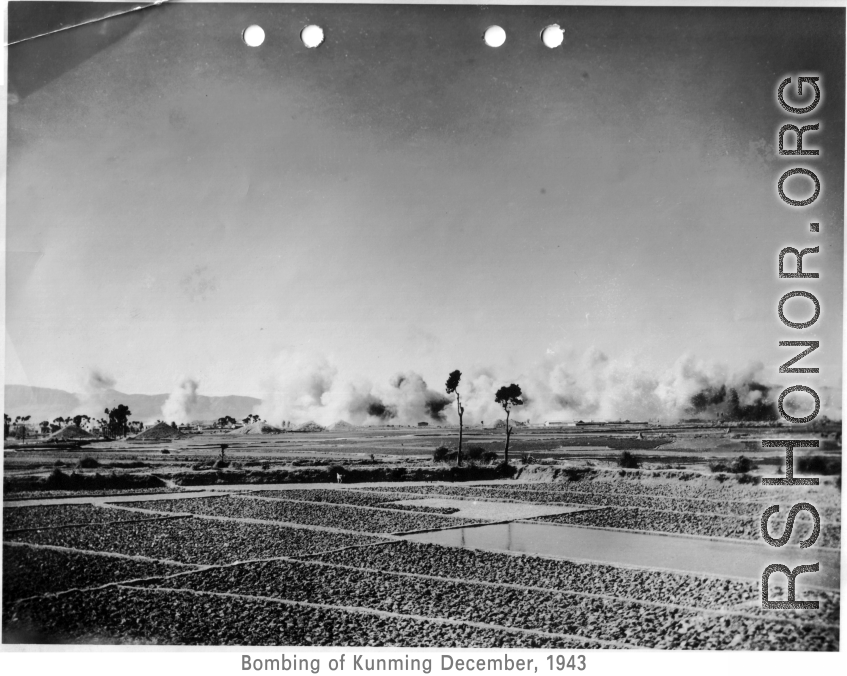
(362, 662)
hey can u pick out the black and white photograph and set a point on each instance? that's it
(407, 326)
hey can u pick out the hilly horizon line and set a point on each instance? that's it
(49, 403)
(129, 394)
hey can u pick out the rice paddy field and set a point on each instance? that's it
(572, 552)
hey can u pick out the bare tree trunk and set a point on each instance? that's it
(508, 433)
(461, 413)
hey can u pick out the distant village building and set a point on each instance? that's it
(423, 424)
(560, 423)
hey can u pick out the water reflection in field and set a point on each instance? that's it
(692, 555)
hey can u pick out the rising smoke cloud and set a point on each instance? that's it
(95, 394)
(181, 405)
(305, 388)
(594, 386)
(415, 401)
(564, 385)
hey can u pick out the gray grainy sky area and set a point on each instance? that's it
(405, 197)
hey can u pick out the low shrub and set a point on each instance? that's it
(165, 451)
(818, 464)
(578, 473)
(627, 460)
(476, 453)
(58, 480)
(741, 465)
(88, 463)
(220, 464)
(505, 470)
(441, 454)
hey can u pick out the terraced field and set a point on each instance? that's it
(122, 614)
(344, 517)
(327, 567)
(359, 498)
(381, 499)
(197, 541)
(54, 516)
(34, 571)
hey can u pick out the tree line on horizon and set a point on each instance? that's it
(115, 424)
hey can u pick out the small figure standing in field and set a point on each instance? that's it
(338, 477)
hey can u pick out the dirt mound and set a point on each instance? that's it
(311, 426)
(158, 432)
(70, 432)
(343, 425)
(260, 427)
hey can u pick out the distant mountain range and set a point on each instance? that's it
(44, 403)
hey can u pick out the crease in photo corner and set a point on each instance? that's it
(113, 15)
(156, 3)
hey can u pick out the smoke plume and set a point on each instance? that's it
(182, 402)
(563, 385)
(96, 393)
(376, 409)
(303, 388)
(594, 386)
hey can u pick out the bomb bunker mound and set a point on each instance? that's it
(159, 432)
(70, 432)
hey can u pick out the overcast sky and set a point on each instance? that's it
(405, 197)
